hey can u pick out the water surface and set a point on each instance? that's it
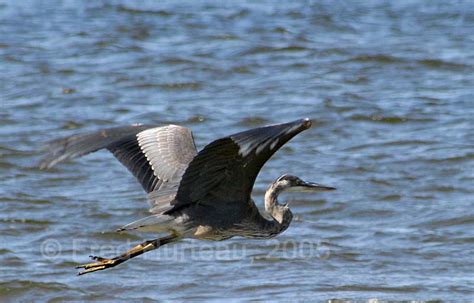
(388, 86)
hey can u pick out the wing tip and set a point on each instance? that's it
(307, 123)
(297, 126)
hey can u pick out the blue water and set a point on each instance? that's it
(388, 85)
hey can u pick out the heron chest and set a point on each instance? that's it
(205, 232)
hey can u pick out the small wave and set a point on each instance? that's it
(385, 59)
(465, 220)
(226, 37)
(176, 61)
(448, 189)
(440, 64)
(391, 198)
(135, 11)
(408, 143)
(250, 288)
(17, 287)
(266, 49)
(380, 182)
(468, 156)
(327, 210)
(253, 121)
(184, 286)
(381, 119)
(67, 125)
(372, 213)
(27, 221)
(196, 119)
(170, 86)
(25, 199)
(4, 251)
(388, 119)
(241, 70)
(391, 143)
(400, 289)
(269, 259)
(346, 256)
(428, 63)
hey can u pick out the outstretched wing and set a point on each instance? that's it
(224, 172)
(156, 156)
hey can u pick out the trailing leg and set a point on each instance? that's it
(104, 263)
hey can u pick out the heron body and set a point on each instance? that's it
(204, 195)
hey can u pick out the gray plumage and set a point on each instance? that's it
(205, 195)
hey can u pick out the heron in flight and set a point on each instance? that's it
(202, 195)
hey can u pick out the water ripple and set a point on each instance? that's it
(389, 90)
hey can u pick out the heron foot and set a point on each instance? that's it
(104, 263)
(101, 264)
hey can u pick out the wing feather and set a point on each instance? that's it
(226, 169)
(156, 156)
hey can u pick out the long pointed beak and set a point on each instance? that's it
(311, 186)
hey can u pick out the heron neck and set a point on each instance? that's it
(281, 214)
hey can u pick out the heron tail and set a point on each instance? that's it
(153, 223)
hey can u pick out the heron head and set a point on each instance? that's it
(295, 184)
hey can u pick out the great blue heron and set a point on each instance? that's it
(205, 195)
